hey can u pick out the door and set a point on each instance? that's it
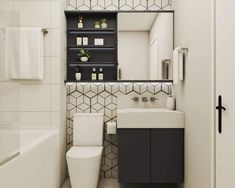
(134, 155)
(225, 77)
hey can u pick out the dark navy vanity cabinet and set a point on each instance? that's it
(151, 155)
(134, 155)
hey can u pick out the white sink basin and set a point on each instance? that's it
(149, 118)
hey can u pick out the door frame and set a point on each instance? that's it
(213, 94)
(213, 91)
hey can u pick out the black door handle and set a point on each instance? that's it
(220, 109)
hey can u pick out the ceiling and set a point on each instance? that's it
(136, 21)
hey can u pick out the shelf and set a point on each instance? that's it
(90, 64)
(91, 31)
(91, 48)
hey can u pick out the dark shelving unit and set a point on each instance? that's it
(104, 56)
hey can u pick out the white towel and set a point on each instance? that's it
(29, 64)
(178, 65)
(12, 52)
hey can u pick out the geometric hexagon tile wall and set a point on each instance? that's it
(115, 5)
(102, 97)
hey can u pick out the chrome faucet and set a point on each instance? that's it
(145, 99)
(135, 99)
(153, 99)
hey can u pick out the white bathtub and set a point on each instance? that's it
(38, 164)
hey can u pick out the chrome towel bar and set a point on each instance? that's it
(45, 31)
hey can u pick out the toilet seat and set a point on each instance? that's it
(81, 152)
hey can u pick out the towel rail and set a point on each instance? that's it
(184, 50)
(45, 31)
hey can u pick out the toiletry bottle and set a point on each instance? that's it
(85, 41)
(80, 23)
(93, 74)
(170, 103)
(101, 74)
(79, 41)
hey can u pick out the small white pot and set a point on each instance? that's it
(78, 76)
(97, 26)
(84, 59)
(104, 25)
(80, 25)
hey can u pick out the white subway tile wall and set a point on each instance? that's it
(40, 100)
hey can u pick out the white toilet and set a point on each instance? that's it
(84, 157)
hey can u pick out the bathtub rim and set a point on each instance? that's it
(47, 133)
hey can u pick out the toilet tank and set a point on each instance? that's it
(88, 129)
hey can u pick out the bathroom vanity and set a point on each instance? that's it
(151, 150)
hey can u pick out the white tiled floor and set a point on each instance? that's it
(113, 183)
(104, 183)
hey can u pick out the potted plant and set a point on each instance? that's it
(104, 23)
(97, 24)
(84, 55)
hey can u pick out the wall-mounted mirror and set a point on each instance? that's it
(145, 45)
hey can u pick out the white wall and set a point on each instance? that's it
(9, 91)
(63, 96)
(40, 100)
(193, 25)
(161, 44)
(133, 50)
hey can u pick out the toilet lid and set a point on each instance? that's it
(84, 152)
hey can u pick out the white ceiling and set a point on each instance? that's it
(136, 21)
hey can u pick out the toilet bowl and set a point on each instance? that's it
(84, 157)
(84, 166)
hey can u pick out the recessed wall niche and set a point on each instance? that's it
(91, 46)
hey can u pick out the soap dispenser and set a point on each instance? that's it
(101, 74)
(93, 74)
(170, 103)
